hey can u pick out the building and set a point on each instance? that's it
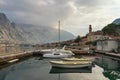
(114, 37)
(97, 35)
(84, 40)
(112, 45)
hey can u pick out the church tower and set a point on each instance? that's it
(90, 28)
(90, 35)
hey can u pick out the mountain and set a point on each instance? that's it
(42, 34)
(10, 32)
(28, 33)
(116, 21)
(113, 28)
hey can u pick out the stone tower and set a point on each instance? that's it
(90, 33)
(90, 28)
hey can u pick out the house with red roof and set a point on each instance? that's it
(97, 35)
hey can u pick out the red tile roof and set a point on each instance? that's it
(84, 39)
(115, 37)
(97, 33)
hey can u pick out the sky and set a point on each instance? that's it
(75, 15)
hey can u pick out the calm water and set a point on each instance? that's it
(36, 68)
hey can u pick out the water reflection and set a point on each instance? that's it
(74, 70)
(38, 58)
(5, 72)
(38, 68)
(110, 65)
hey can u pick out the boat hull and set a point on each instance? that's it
(59, 54)
(72, 65)
(56, 56)
(78, 59)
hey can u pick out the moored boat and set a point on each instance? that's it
(78, 59)
(73, 64)
(12, 61)
(59, 54)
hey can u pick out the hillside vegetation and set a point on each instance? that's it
(112, 29)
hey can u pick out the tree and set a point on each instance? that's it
(88, 43)
(78, 39)
(112, 29)
(93, 43)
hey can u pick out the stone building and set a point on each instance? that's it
(97, 35)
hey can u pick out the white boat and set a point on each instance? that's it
(59, 54)
(12, 61)
(78, 59)
(44, 51)
(73, 64)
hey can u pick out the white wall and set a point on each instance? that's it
(99, 45)
(112, 45)
(107, 45)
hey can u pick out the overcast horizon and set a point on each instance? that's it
(75, 15)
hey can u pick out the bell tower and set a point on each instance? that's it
(90, 33)
(90, 28)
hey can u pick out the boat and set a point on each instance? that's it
(73, 64)
(12, 61)
(59, 54)
(78, 59)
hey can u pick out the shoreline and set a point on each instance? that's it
(4, 58)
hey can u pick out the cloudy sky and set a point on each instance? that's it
(75, 15)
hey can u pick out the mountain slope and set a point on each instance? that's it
(44, 34)
(9, 32)
(113, 28)
(117, 21)
(27, 33)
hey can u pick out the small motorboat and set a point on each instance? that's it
(59, 54)
(78, 59)
(69, 64)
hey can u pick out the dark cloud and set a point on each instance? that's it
(48, 12)
(40, 12)
(73, 12)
